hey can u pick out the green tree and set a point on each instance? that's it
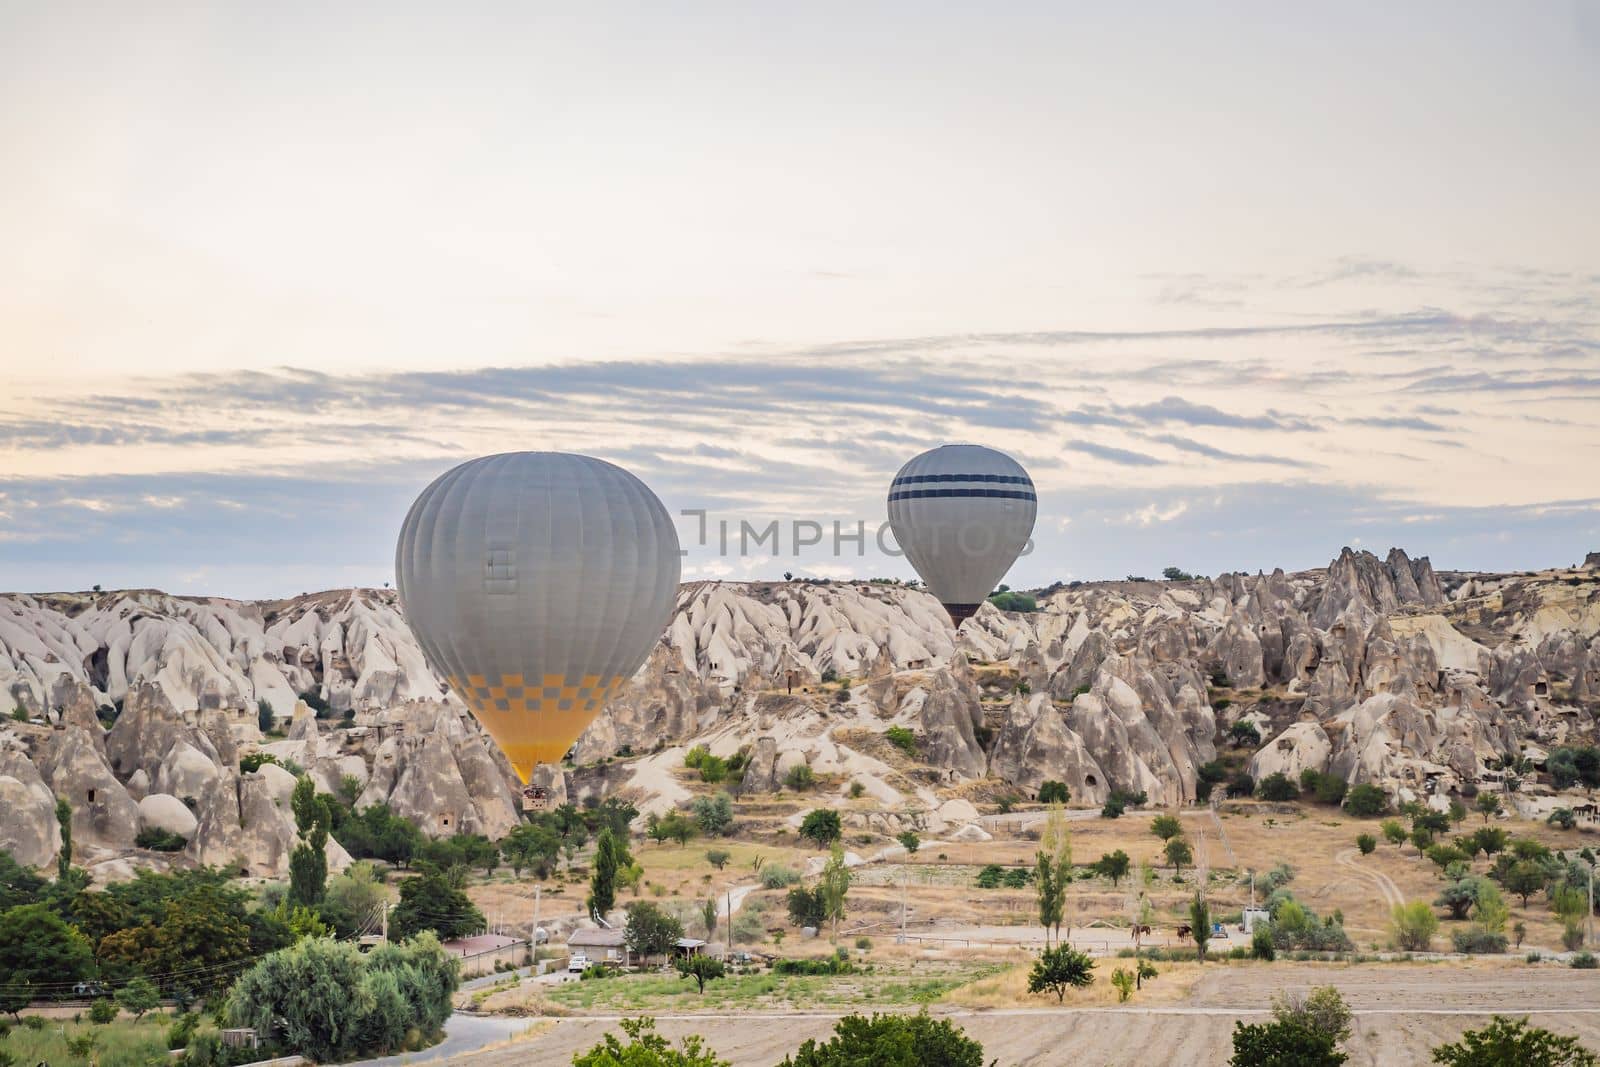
(1366, 843)
(1178, 853)
(891, 1040)
(430, 901)
(1053, 792)
(1059, 969)
(103, 1011)
(323, 999)
(18, 884)
(1459, 896)
(1200, 924)
(265, 719)
(1366, 801)
(821, 827)
(650, 931)
(610, 856)
(708, 916)
(902, 738)
(1513, 1043)
(308, 863)
(1050, 895)
(1245, 733)
(1166, 827)
(835, 886)
(800, 778)
(714, 814)
(1322, 1010)
(138, 996)
(1488, 804)
(806, 907)
(701, 968)
(1113, 865)
(1413, 926)
(718, 857)
(64, 819)
(1283, 1043)
(1393, 831)
(646, 1048)
(1525, 878)
(534, 846)
(909, 841)
(37, 948)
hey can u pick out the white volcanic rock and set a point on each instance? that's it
(102, 811)
(163, 811)
(29, 830)
(1301, 746)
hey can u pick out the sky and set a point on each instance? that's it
(1239, 284)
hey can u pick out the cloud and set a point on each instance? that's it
(1200, 448)
(1112, 455)
(1397, 422)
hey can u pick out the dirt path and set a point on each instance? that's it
(1384, 884)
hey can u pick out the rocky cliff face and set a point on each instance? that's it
(1375, 669)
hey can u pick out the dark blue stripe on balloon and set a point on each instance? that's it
(936, 494)
(1003, 479)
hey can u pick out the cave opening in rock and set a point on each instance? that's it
(1089, 780)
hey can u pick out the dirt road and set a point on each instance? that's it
(1379, 881)
(1401, 1011)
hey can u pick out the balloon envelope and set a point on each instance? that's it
(536, 583)
(962, 514)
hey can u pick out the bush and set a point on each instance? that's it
(902, 738)
(1513, 1042)
(1414, 925)
(1366, 801)
(891, 1040)
(1478, 942)
(825, 966)
(103, 1011)
(1366, 843)
(777, 876)
(1585, 961)
(857, 790)
(158, 840)
(1283, 1043)
(1014, 601)
(800, 778)
(714, 814)
(1276, 787)
(1261, 946)
(821, 827)
(265, 719)
(1053, 792)
(991, 876)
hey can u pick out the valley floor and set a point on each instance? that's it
(1401, 1011)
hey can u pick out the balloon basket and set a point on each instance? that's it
(535, 798)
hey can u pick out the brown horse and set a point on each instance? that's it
(1184, 931)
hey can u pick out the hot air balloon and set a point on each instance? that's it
(962, 514)
(537, 583)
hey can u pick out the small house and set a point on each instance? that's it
(599, 944)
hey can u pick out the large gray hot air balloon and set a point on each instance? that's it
(537, 582)
(962, 514)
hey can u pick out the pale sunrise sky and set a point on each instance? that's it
(1239, 283)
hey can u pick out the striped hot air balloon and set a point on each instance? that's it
(537, 583)
(962, 514)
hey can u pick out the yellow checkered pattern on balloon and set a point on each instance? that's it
(535, 721)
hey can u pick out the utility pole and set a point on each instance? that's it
(905, 876)
(533, 935)
(1589, 918)
(385, 921)
(728, 896)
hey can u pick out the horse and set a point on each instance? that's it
(1184, 931)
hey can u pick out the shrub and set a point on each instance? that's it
(800, 778)
(1261, 946)
(103, 1011)
(1414, 925)
(821, 827)
(1366, 801)
(1506, 1041)
(158, 840)
(1276, 787)
(265, 719)
(19, 714)
(1585, 961)
(1478, 942)
(1366, 843)
(892, 1040)
(1053, 792)
(777, 876)
(902, 738)
(713, 814)
(991, 876)
(857, 790)
(825, 966)
(909, 841)
(718, 857)
(1283, 1043)
(1563, 818)
(1242, 732)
